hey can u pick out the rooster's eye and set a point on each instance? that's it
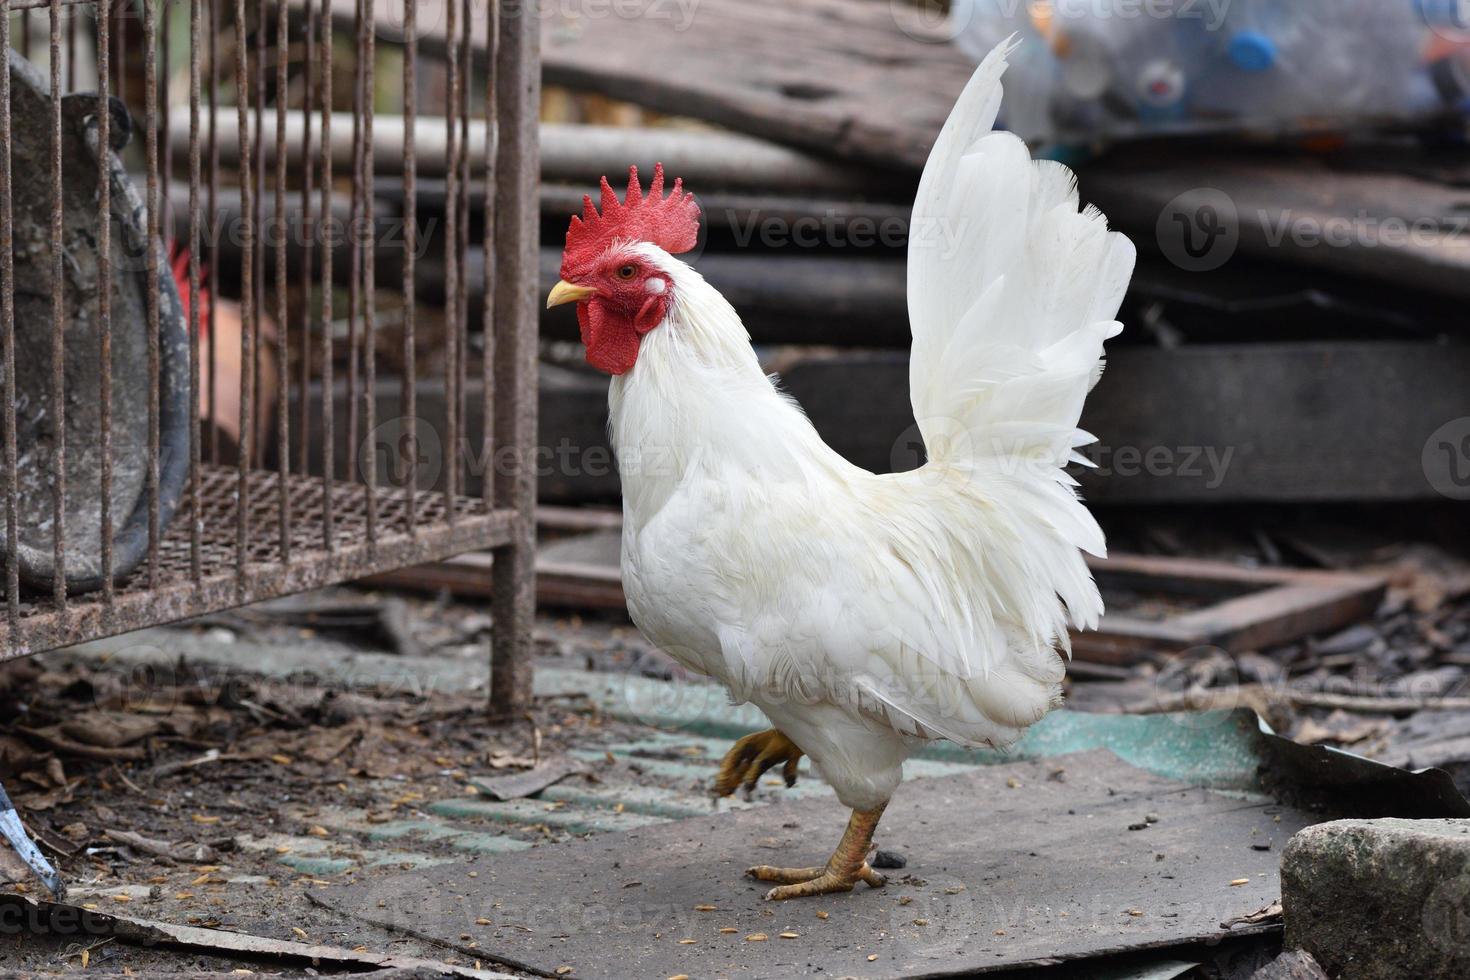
(627, 272)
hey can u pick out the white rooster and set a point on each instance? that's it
(863, 613)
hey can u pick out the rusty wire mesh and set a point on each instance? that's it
(294, 251)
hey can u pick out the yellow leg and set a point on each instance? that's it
(845, 868)
(749, 758)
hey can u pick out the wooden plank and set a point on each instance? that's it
(849, 300)
(855, 79)
(1293, 609)
(1254, 607)
(558, 584)
(1211, 423)
(1409, 230)
(858, 80)
(705, 158)
(577, 519)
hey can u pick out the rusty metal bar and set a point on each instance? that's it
(451, 256)
(215, 229)
(155, 324)
(328, 438)
(196, 558)
(225, 553)
(104, 295)
(308, 177)
(283, 336)
(487, 242)
(354, 271)
(26, 6)
(518, 90)
(409, 410)
(247, 306)
(462, 315)
(167, 166)
(71, 53)
(367, 51)
(257, 210)
(488, 353)
(41, 627)
(7, 338)
(58, 321)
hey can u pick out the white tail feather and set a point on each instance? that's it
(1012, 292)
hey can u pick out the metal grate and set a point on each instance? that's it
(179, 594)
(165, 455)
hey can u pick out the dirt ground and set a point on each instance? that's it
(208, 763)
(219, 791)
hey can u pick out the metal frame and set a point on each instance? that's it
(244, 532)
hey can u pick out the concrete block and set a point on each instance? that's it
(1380, 899)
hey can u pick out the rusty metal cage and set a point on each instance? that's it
(268, 189)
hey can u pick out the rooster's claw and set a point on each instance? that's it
(801, 882)
(751, 757)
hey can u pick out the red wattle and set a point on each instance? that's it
(612, 342)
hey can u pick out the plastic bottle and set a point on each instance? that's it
(1284, 62)
(1155, 64)
(1445, 14)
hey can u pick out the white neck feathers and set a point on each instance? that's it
(697, 397)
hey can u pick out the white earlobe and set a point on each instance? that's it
(655, 285)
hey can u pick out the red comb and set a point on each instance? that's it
(670, 222)
(179, 265)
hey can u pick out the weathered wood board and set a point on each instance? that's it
(866, 81)
(870, 80)
(1202, 207)
(1012, 865)
(1207, 423)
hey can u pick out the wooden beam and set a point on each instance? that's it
(705, 159)
(1217, 423)
(864, 81)
(1409, 230)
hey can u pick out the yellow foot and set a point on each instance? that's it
(750, 758)
(801, 882)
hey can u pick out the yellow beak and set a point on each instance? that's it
(566, 292)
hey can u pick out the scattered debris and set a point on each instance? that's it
(1294, 964)
(889, 860)
(548, 772)
(144, 932)
(1266, 913)
(186, 852)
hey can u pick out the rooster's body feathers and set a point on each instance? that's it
(864, 613)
